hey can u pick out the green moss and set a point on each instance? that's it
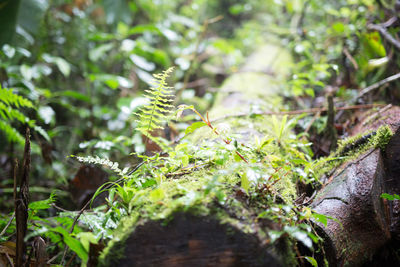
(212, 191)
(352, 147)
(197, 193)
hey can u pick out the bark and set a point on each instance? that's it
(194, 241)
(21, 205)
(365, 221)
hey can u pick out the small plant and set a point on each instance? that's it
(153, 115)
(10, 103)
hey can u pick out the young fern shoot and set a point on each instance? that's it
(152, 116)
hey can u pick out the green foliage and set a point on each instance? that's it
(390, 197)
(8, 20)
(10, 106)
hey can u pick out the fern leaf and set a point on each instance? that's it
(11, 99)
(9, 102)
(155, 113)
(11, 133)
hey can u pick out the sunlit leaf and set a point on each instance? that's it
(312, 261)
(194, 126)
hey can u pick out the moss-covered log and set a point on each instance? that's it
(364, 221)
(209, 217)
(204, 220)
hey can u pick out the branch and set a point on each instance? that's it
(298, 112)
(377, 85)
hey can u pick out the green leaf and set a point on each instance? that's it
(144, 28)
(320, 218)
(74, 244)
(338, 27)
(26, 72)
(76, 95)
(42, 132)
(312, 261)
(390, 197)
(61, 63)
(142, 63)
(185, 160)
(194, 126)
(100, 51)
(245, 183)
(117, 11)
(8, 20)
(113, 81)
(42, 204)
(63, 66)
(47, 114)
(31, 14)
(86, 238)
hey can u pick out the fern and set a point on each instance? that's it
(155, 113)
(9, 101)
(11, 133)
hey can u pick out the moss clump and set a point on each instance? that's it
(352, 147)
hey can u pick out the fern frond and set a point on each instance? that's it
(9, 104)
(11, 99)
(153, 115)
(11, 133)
(8, 113)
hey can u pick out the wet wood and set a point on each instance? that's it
(193, 241)
(365, 221)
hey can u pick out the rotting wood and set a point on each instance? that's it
(365, 221)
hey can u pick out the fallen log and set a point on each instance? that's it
(214, 223)
(364, 221)
(194, 220)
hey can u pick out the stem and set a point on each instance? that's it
(208, 122)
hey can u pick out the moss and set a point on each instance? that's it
(352, 147)
(199, 194)
(205, 192)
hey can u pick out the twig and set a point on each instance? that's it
(298, 112)
(330, 124)
(8, 224)
(350, 57)
(9, 260)
(186, 170)
(377, 85)
(385, 34)
(302, 17)
(226, 141)
(53, 258)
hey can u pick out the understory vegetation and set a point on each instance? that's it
(117, 96)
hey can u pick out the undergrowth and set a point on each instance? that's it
(206, 178)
